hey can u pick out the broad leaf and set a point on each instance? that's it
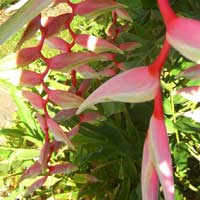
(26, 13)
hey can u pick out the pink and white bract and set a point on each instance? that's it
(157, 161)
(133, 86)
(179, 31)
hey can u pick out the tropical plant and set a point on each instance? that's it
(95, 149)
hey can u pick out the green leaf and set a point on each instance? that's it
(111, 108)
(148, 4)
(12, 132)
(186, 125)
(170, 125)
(181, 155)
(26, 154)
(25, 115)
(167, 107)
(26, 13)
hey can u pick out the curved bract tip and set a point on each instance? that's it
(132, 86)
(183, 35)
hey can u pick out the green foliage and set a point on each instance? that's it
(7, 3)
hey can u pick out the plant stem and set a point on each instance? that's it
(174, 113)
(167, 12)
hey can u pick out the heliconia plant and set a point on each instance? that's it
(135, 85)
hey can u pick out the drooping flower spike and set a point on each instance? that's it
(156, 157)
(180, 30)
(132, 86)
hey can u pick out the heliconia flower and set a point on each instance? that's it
(191, 93)
(58, 133)
(64, 114)
(97, 45)
(30, 78)
(84, 86)
(191, 73)
(121, 66)
(64, 168)
(90, 8)
(160, 154)
(44, 154)
(55, 146)
(32, 171)
(32, 27)
(122, 13)
(27, 56)
(65, 99)
(63, 63)
(35, 99)
(177, 35)
(132, 86)
(112, 31)
(74, 131)
(87, 72)
(91, 117)
(149, 180)
(58, 43)
(53, 25)
(129, 46)
(37, 184)
(107, 72)
(42, 122)
(156, 154)
(21, 58)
